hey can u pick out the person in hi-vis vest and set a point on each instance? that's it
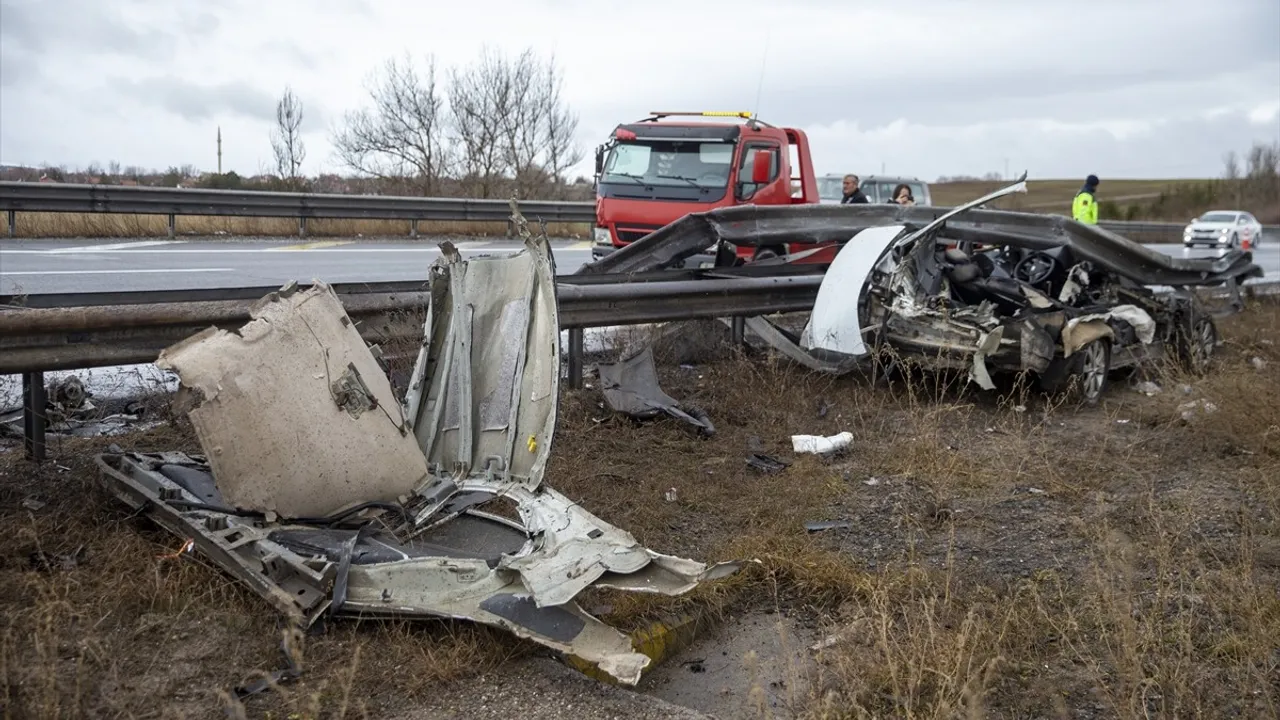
(1085, 207)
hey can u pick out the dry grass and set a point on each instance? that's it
(104, 225)
(1009, 555)
(1052, 195)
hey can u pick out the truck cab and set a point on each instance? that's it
(657, 170)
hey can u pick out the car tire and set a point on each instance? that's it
(766, 253)
(1093, 370)
(1235, 241)
(1085, 375)
(1197, 340)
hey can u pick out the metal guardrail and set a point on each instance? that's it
(71, 333)
(18, 197)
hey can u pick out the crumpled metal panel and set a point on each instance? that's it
(409, 538)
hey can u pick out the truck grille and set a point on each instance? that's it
(632, 233)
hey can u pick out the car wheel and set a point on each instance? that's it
(1197, 341)
(1093, 370)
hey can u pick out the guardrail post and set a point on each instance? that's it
(575, 358)
(739, 328)
(33, 417)
(13, 223)
(302, 227)
(413, 229)
(173, 231)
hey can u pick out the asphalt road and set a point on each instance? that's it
(59, 266)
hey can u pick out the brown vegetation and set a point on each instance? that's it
(1008, 555)
(103, 225)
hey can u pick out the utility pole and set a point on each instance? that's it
(219, 149)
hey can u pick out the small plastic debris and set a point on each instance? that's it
(1019, 408)
(33, 504)
(671, 495)
(872, 481)
(1185, 389)
(1257, 363)
(1035, 491)
(1123, 421)
(816, 444)
(819, 526)
(824, 407)
(1147, 388)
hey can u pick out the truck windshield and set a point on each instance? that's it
(662, 162)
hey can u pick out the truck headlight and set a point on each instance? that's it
(602, 236)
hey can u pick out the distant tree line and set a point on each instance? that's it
(1251, 183)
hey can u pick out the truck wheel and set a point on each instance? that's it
(766, 253)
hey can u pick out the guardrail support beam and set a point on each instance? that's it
(575, 358)
(173, 230)
(33, 415)
(413, 229)
(739, 328)
(302, 227)
(13, 223)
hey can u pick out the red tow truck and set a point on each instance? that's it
(657, 170)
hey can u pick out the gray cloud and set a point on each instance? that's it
(194, 102)
(933, 87)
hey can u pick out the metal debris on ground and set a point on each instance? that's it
(819, 526)
(766, 463)
(630, 386)
(324, 494)
(33, 504)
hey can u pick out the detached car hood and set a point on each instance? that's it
(324, 495)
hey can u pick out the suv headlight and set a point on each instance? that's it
(602, 236)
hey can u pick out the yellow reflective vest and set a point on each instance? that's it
(1085, 208)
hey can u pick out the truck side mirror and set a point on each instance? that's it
(760, 166)
(599, 159)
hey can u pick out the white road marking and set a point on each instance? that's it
(349, 249)
(113, 272)
(114, 246)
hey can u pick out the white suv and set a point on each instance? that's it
(1223, 228)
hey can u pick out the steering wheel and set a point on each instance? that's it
(1035, 267)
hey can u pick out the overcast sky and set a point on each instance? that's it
(1127, 88)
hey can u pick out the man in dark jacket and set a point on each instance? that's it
(852, 194)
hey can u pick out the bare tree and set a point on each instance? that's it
(400, 136)
(1231, 166)
(511, 123)
(286, 138)
(559, 126)
(481, 98)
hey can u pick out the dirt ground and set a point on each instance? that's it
(1001, 555)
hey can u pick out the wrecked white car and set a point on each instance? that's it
(969, 288)
(323, 493)
(987, 301)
